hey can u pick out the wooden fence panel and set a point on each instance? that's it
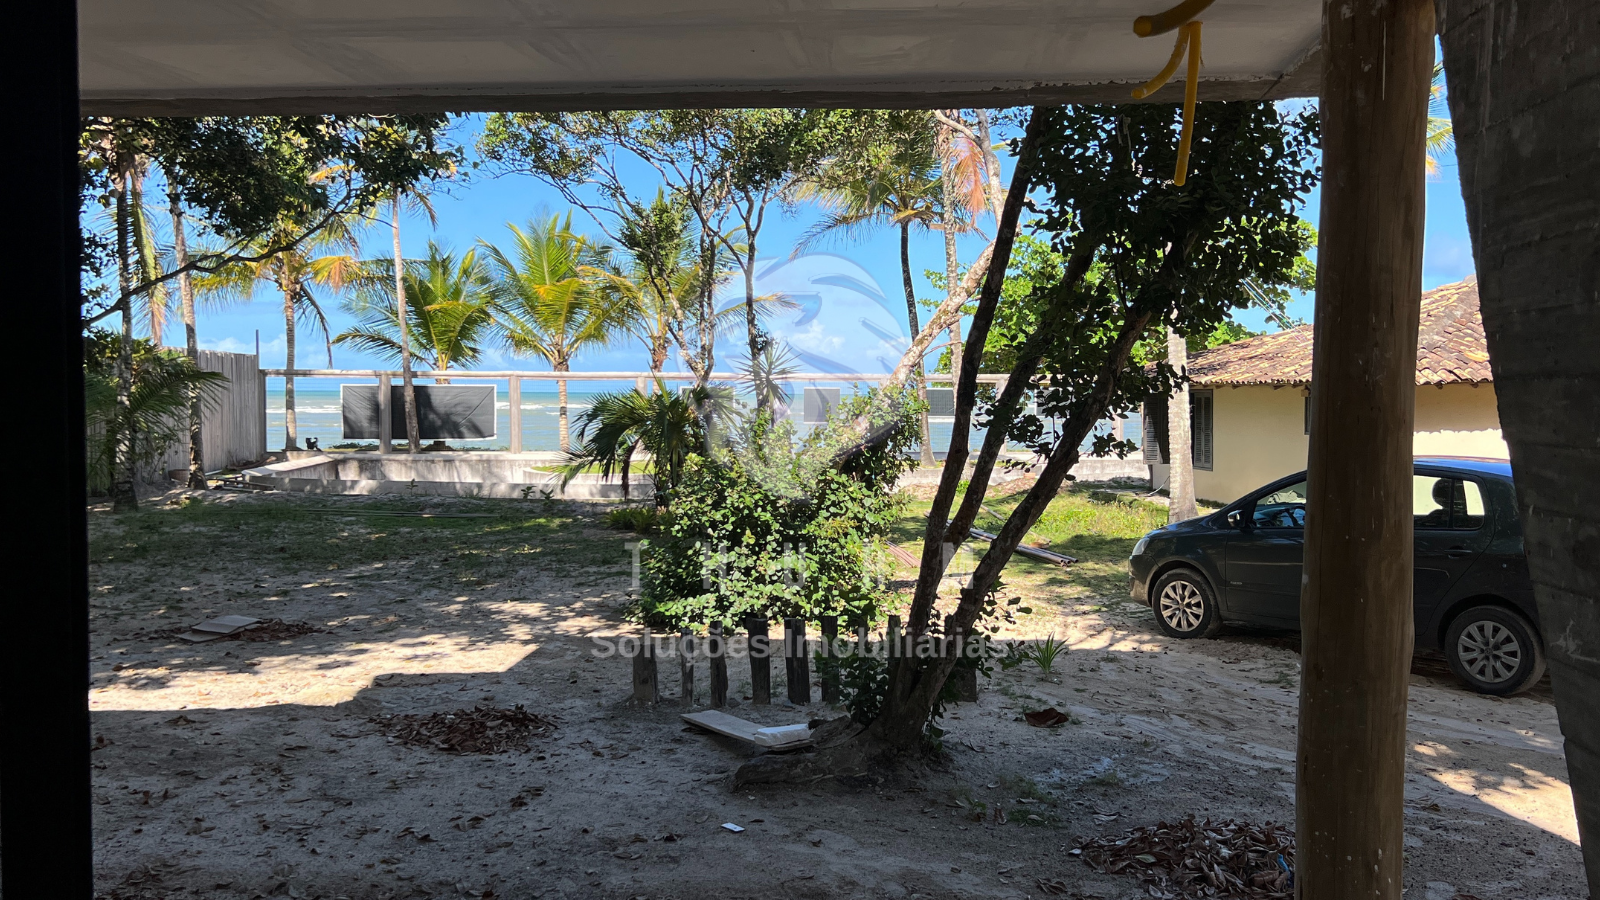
(233, 428)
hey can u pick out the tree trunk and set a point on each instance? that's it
(561, 407)
(1355, 606)
(191, 345)
(1520, 77)
(124, 496)
(290, 431)
(949, 199)
(408, 390)
(1180, 446)
(908, 703)
(926, 436)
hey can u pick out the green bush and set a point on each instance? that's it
(639, 519)
(776, 525)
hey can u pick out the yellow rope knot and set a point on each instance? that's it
(1179, 17)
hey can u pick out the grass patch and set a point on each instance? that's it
(1098, 528)
(330, 534)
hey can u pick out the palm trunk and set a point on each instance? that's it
(1180, 450)
(191, 345)
(290, 431)
(1520, 158)
(124, 497)
(408, 389)
(921, 379)
(561, 407)
(952, 260)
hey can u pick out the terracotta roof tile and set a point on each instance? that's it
(1450, 347)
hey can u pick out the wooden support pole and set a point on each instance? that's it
(796, 663)
(385, 423)
(646, 687)
(964, 677)
(760, 661)
(717, 652)
(1356, 614)
(829, 664)
(686, 667)
(514, 399)
(891, 640)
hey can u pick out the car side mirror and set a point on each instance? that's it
(1237, 520)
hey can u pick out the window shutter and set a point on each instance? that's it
(1154, 419)
(1200, 428)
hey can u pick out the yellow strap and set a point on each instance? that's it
(1191, 89)
(1165, 75)
(1163, 22)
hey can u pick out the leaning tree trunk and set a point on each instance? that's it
(1521, 78)
(926, 435)
(290, 431)
(949, 199)
(191, 345)
(1180, 445)
(124, 496)
(1355, 603)
(408, 390)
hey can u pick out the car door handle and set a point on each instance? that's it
(1458, 552)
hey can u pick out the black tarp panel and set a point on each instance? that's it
(444, 411)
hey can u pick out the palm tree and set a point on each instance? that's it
(326, 259)
(668, 425)
(1441, 134)
(553, 296)
(449, 310)
(902, 188)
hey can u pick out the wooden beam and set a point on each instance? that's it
(1356, 615)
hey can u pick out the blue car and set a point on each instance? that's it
(1472, 595)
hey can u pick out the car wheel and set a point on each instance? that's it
(1494, 650)
(1184, 605)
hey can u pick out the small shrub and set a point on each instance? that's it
(638, 519)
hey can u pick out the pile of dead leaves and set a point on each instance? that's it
(482, 729)
(272, 630)
(1197, 860)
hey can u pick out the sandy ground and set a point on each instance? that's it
(235, 770)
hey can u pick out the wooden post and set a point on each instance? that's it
(760, 661)
(964, 677)
(385, 423)
(1355, 609)
(796, 663)
(891, 640)
(829, 664)
(686, 667)
(717, 650)
(646, 687)
(514, 391)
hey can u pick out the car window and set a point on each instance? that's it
(1283, 508)
(1446, 503)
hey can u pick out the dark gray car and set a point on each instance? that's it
(1472, 596)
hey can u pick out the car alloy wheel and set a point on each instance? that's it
(1181, 606)
(1490, 651)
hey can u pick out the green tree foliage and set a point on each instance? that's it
(1167, 256)
(242, 177)
(774, 525)
(450, 311)
(157, 415)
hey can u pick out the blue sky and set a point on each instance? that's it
(852, 306)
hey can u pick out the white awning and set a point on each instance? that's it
(195, 57)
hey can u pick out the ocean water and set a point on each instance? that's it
(317, 416)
